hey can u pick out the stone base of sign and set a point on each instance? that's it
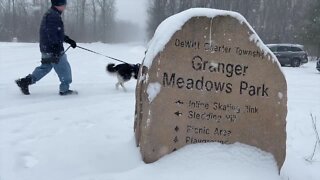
(213, 82)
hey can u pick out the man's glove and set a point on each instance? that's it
(70, 41)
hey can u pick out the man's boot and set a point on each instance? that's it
(69, 92)
(24, 83)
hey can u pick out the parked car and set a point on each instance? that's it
(318, 64)
(289, 54)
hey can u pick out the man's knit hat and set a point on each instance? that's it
(58, 2)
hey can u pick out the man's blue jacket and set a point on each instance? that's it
(52, 32)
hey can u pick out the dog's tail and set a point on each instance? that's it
(111, 68)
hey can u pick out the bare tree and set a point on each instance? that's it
(94, 25)
(157, 13)
(311, 30)
(13, 19)
(84, 20)
(106, 23)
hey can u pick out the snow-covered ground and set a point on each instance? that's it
(90, 136)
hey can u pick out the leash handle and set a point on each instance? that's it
(65, 51)
(101, 54)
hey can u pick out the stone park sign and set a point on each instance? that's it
(213, 80)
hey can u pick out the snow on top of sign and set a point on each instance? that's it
(174, 23)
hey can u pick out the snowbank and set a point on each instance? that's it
(211, 161)
(174, 23)
(207, 161)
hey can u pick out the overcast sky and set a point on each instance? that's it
(132, 10)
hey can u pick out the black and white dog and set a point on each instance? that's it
(124, 72)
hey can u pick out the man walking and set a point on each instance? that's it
(52, 51)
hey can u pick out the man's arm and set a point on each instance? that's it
(55, 32)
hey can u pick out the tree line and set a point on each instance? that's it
(276, 21)
(85, 20)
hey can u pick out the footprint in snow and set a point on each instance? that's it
(26, 160)
(84, 124)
